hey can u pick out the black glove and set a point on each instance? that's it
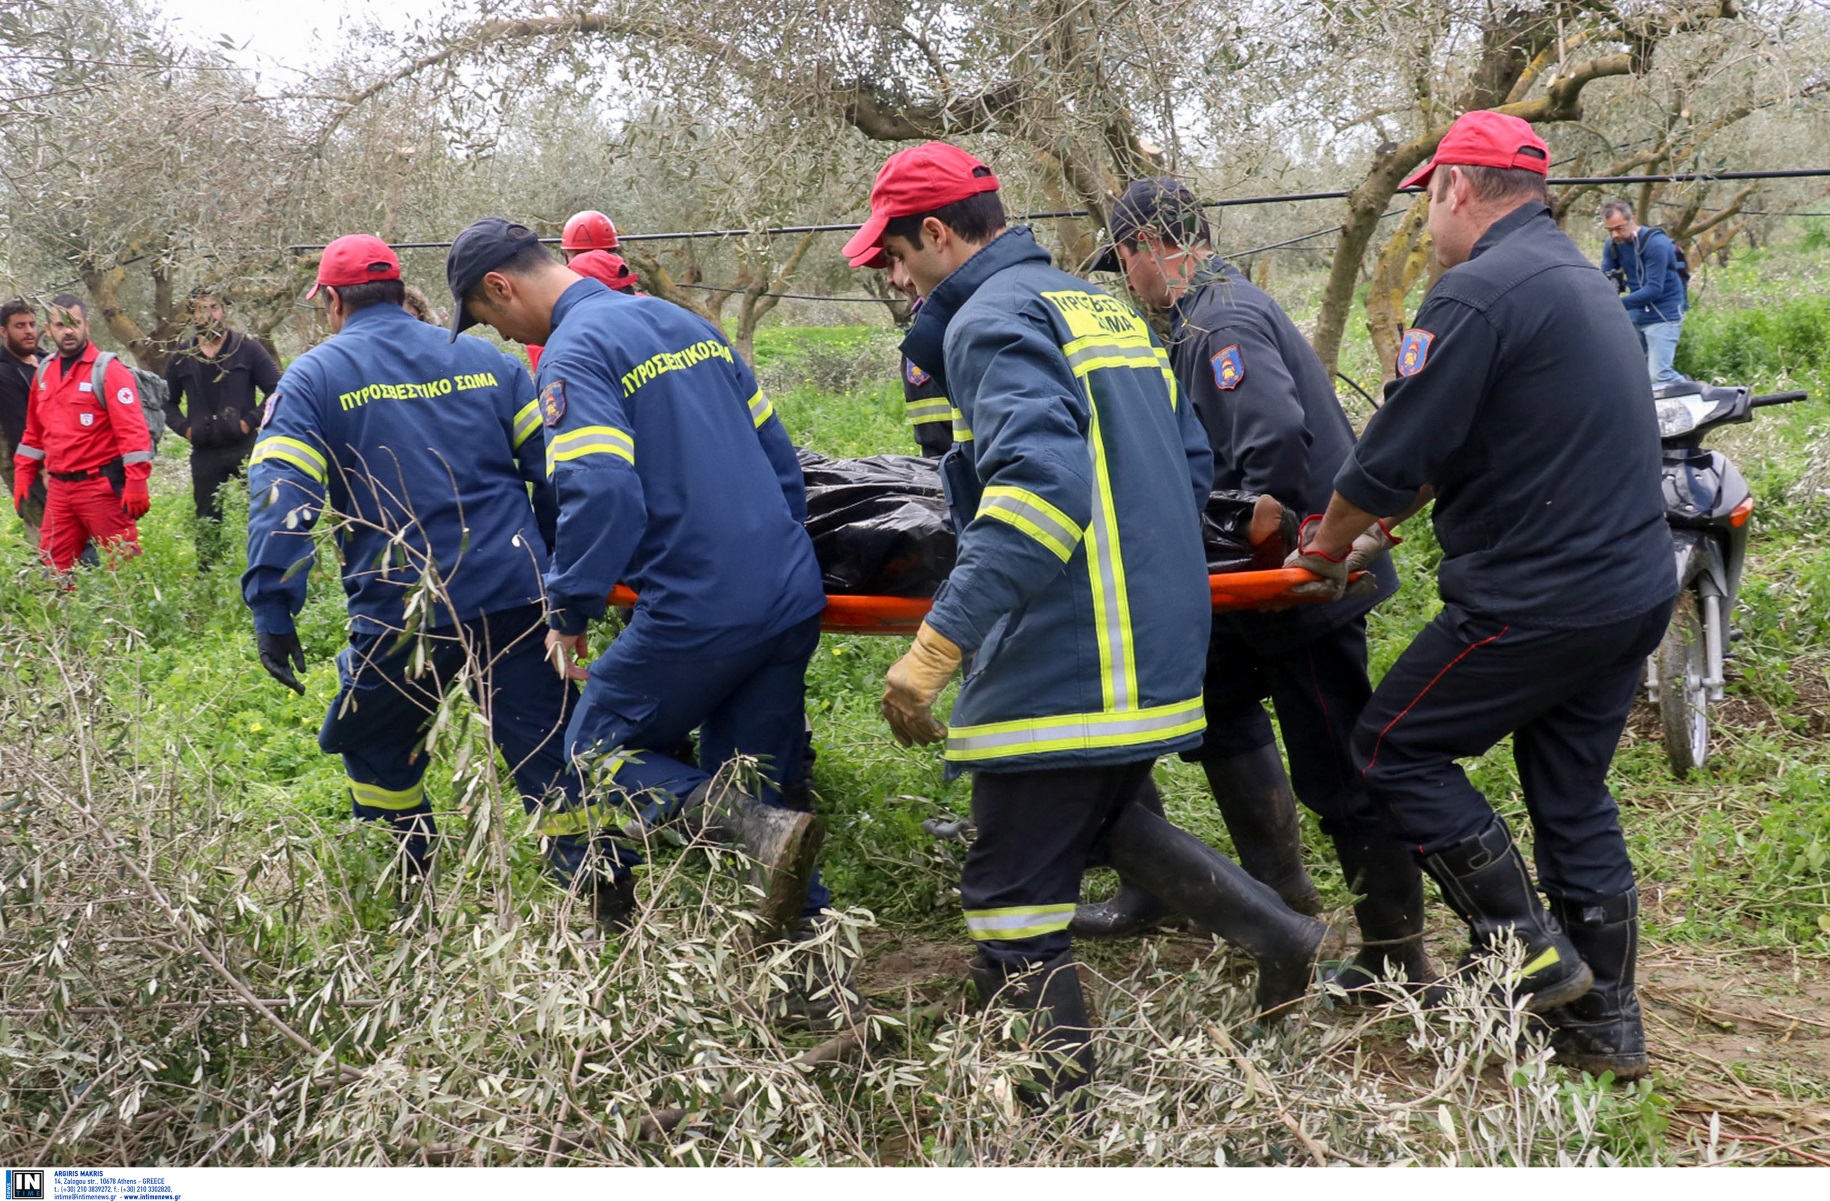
(282, 655)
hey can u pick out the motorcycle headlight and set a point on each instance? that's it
(1674, 417)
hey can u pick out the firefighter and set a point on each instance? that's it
(602, 265)
(1522, 404)
(673, 476)
(430, 458)
(1276, 428)
(84, 428)
(1080, 591)
(929, 412)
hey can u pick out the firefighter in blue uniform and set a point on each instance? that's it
(1277, 429)
(672, 476)
(430, 458)
(1080, 592)
(1522, 403)
(924, 402)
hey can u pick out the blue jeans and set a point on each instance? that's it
(1661, 341)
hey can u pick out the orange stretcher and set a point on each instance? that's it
(902, 615)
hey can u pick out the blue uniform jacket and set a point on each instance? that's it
(1522, 396)
(1075, 480)
(1655, 290)
(1273, 420)
(673, 475)
(428, 449)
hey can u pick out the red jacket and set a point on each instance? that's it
(69, 428)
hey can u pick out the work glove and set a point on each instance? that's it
(135, 499)
(913, 685)
(282, 655)
(25, 474)
(1370, 547)
(1333, 572)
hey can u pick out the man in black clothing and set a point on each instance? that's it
(18, 363)
(924, 401)
(1277, 429)
(218, 370)
(1522, 403)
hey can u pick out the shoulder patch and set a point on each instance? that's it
(1414, 351)
(1229, 368)
(273, 400)
(915, 375)
(553, 402)
(125, 396)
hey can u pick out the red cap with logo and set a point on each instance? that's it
(918, 180)
(355, 259)
(1484, 138)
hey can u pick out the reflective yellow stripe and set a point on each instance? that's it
(299, 454)
(1020, 922)
(1550, 958)
(1034, 516)
(1074, 731)
(760, 409)
(589, 440)
(928, 410)
(590, 816)
(526, 422)
(374, 796)
(1106, 575)
(961, 431)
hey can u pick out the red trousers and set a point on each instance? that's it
(76, 511)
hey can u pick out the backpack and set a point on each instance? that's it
(1677, 253)
(149, 385)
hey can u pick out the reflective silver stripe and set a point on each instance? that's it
(760, 409)
(137, 456)
(30, 452)
(1034, 516)
(1022, 922)
(1109, 354)
(921, 412)
(961, 431)
(1074, 731)
(1108, 585)
(526, 422)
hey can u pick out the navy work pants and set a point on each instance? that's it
(1038, 831)
(1318, 690)
(386, 703)
(644, 699)
(1563, 695)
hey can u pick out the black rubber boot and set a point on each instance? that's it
(1485, 881)
(1384, 874)
(784, 843)
(1259, 809)
(1130, 911)
(613, 902)
(1063, 1031)
(1602, 1031)
(1194, 879)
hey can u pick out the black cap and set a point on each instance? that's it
(1161, 206)
(481, 248)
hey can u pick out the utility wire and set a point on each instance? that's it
(1286, 198)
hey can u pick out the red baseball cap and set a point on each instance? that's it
(605, 266)
(1484, 138)
(918, 180)
(355, 259)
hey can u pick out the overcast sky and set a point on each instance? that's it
(277, 34)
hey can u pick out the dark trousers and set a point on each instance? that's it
(1467, 682)
(31, 510)
(211, 468)
(1318, 690)
(1038, 831)
(384, 707)
(644, 699)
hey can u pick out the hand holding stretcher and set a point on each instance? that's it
(901, 615)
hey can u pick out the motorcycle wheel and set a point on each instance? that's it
(1683, 699)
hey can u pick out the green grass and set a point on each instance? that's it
(1737, 861)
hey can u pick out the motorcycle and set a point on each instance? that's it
(1707, 503)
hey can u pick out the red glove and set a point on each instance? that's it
(135, 499)
(25, 474)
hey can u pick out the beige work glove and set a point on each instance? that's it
(913, 685)
(1370, 546)
(1331, 573)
